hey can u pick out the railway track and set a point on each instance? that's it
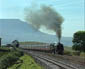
(50, 62)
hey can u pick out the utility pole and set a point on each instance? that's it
(84, 15)
(0, 42)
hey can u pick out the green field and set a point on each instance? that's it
(28, 63)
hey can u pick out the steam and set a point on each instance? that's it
(45, 16)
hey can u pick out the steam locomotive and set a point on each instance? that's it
(50, 48)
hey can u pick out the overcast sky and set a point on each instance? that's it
(71, 10)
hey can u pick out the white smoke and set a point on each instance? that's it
(45, 16)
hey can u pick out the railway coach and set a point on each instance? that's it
(40, 47)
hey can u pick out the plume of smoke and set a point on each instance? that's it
(45, 16)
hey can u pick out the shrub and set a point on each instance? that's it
(9, 59)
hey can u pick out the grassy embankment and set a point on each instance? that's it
(11, 61)
(28, 63)
(8, 57)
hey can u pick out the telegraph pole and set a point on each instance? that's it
(84, 15)
(0, 42)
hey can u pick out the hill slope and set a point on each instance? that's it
(11, 29)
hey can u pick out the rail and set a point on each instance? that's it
(53, 62)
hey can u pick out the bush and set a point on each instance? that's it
(9, 59)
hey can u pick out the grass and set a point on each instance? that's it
(32, 42)
(4, 48)
(25, 62)
(68, 51)
(82, 54)
(68, 48)
(28, 63)
(3, 51)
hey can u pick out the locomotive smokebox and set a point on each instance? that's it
(0, 42)
(60, 48)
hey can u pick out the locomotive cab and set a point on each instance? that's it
(53, 48)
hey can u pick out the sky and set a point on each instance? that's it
(71, 10)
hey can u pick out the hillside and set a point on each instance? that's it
(11, 29)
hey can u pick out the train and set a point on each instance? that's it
(42, 48)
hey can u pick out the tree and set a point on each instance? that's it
(79, 41)
(15, 43)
